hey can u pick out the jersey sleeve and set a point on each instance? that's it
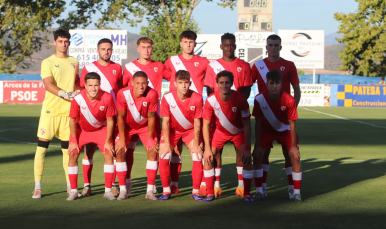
(167, 71)
(82, 76)
(248, 80)
(207, 113)
(74, 110)
(126, 77)
(199, 108)
(46, 69)
(256, 110)
(292, 112)
(121, 101)
(244, 107)
(254, 73)
(153, 102)
(210, 77)
(165, 109)
(294, 78)
(110, 109)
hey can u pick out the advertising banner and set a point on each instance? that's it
(23, 91)
(312, 95)
(361, 95)
(84, 45)
(208, 45)
(304, 47)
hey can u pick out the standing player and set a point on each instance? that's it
(111, 80)
(154, 70)
(290, 77)
(196, 66)
(231, 110)
(59, 73)
(275, 112)
(137, 110)
(93, 110)
(181, 111)
(242, 83)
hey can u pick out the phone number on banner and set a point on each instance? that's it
(85, 59)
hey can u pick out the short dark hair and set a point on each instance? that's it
(274, 37)
(61, 33)
(225, 73)
(105, 40)
(228, 36)
(93, 76)
(140, 74)
(182, 75)
(382, 78)
(274, 75)
(189, 34)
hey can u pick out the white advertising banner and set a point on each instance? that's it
(312, 95)
(208, 45)
(304, 47)
(84, 45)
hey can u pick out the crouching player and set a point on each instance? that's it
(232, 114)
(181, 111)
(137, 110)
(275, 112)
(94, 110)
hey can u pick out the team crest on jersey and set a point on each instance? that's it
(144, 104)
(114, 72)
(261, 67)
(178, 63)
(234, 109)
(73, 65)
(102, 108)
(239, 69)
(156, 69)
(162, 137)
(192, 108)
(282, 68)
(42, 131)
(283, 108)
(196, 64)
(84, 107)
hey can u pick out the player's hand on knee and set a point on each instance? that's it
(208, 156)
(197, 150)
(73, 148)
(152, 143)
(294, 153)
(109, 148)
(258, 153)
(165, 149)
(120, 146)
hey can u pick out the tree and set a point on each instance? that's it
(21, 21)
(166, 19)
(365, 38)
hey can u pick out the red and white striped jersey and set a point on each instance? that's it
(182, 114)
(137, 108)
(275, 115)
(91, 116)
(229, 115)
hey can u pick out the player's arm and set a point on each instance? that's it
(247, 150)
(151, 141)
(109, 147)
(73, 138)
(208, 154)
(165, 131)
(197, 148)
(209, 90)
(246, 91)
(294, 149)
(121, 144)
(297, 93)
(76, 84)
(257, 150)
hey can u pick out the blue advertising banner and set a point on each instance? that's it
(362, 95)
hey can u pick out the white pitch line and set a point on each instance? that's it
(335, 116)
(276, 159)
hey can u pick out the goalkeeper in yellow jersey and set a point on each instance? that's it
(59, 73)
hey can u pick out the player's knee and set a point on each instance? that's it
(43, 144)
(64, 144)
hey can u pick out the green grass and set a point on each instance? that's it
(343, 182)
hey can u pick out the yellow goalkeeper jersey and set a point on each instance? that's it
(63, 71)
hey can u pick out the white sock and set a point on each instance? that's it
(107, 189)
(264, 186)
(195, 191)
(167, 189)
(240, 171)
(38, 185)
(122, 188)
(203, 183)
(259, 189)
(74, 190)
(68, 186)
(217, 184)
(86, 184)
(174, 183)
(150, 187)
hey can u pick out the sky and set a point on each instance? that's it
(287, 14)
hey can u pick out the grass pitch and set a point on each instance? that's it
(343, 181)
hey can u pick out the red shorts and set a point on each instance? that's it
(175, 136)
(97, 137)
(132, 135)
(284, 139)
(220, 138)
